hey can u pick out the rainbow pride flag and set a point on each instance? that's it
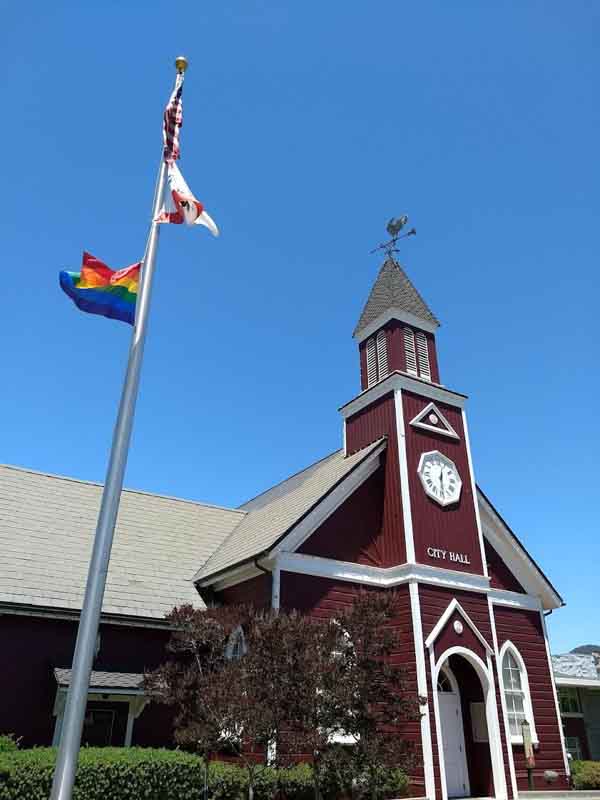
(98, 289)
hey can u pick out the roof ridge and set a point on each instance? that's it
(289, 478)
(125, 489)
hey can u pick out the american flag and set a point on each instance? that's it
(173, 120)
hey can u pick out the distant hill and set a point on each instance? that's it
(586, 649)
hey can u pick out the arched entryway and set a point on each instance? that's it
(467, 726)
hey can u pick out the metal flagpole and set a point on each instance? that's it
(70, 740)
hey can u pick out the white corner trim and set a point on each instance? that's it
(431, 408)
(438, 726)
(455, 606)
(508, 646)
(399, 314)
(400, 380)
(474, 493)
(511, 759)
(308, 525)
(275, 586)
(555, 693)
(409, 540)
(426, 742)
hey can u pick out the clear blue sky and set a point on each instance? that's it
(307, 125)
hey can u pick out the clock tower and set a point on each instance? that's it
(431, 514)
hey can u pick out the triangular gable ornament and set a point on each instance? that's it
(432, 419)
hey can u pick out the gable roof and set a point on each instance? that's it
(271, 515)
(47, 524)
(393, 290)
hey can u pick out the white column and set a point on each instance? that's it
(136, 706)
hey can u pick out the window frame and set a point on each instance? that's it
(236, 635)
(509, 647)
(572, 691)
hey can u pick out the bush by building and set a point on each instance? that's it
(586, 774)
(119, 773)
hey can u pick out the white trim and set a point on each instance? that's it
(555, 693)
(438, 726)
(509, 750)
(315, 518)
(474, 492)
(381, 576)
(584, 683)
(426, 742)
(487, 682)
(409, 540)
(503, 597)
(509, 647)
(399, 314)
(455, 606)
(431, 408)
(401, 380)
(136, 706)
(510, 551)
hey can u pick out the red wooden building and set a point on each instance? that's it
(396, 508)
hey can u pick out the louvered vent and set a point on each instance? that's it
(423, 356)
(382, 360)
(371, 363)
(409, 351)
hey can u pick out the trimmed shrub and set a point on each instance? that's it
(586, 774)
(136, 773)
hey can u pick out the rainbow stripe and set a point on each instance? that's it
(98, 289)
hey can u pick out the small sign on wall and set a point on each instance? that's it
(448, 555)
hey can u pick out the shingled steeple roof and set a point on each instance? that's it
(393, 291)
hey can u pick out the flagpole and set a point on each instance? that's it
(70, 740)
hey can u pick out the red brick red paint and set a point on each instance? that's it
(354, 531)
(524, 630)
(453, 528)
(40, 644)
(379, 419)
(500, 575)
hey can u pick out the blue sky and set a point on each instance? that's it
(307, 125)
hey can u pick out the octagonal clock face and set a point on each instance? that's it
(439, 477)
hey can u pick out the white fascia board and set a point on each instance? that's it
(396, 381)
(455, 606)
(582, 683)
(234, 576)
(517, 560)
(402, 316)
(502, 597)
(307, 526)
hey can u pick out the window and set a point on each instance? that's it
(479, 722)
(377, 359)
(236, 646)
(568, 697)
(573, 746)
(443, 683)
(416, 354)
(516, 693)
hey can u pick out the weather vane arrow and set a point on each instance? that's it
(395, 228)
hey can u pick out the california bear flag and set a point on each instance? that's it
(181, 206)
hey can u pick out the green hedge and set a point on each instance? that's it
(586, 774)
(137, 773)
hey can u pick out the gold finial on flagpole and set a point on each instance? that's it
(181, 63)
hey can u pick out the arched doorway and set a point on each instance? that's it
(467, 725)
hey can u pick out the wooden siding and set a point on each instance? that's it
(255, 591)
(396, 354)
(379, 419)
(448, 637)
(37, 645)
(524, 630)
(324, 598)
(453, 528)
(500, 575)
(353, 532)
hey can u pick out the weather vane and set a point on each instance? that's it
(395, 228)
